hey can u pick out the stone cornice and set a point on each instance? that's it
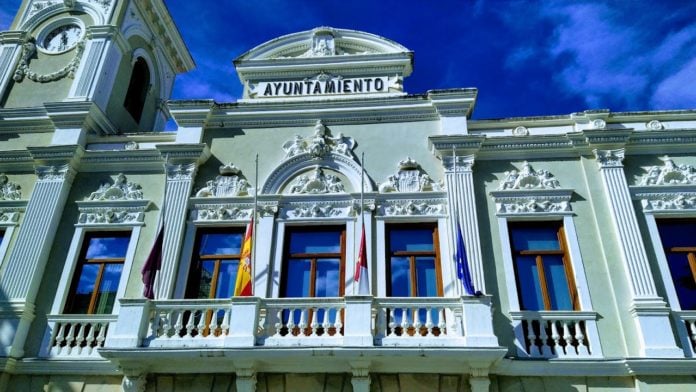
(122, 160)
(442, 145)
(13, 37)
(195, 154)
(25, 120)
(192, 113)
(79, 115)
(454, 102)
(56, 155)
(16, 160)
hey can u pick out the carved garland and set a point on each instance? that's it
(8, 189)
(29, 49)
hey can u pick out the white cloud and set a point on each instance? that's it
(677, 90)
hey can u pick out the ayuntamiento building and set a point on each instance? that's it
(578, 230)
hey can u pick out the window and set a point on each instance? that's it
(542, 266)
(98, 272)
(214, 269)
(413, 261)
(137, 89)
(679, 242)
(313, 262)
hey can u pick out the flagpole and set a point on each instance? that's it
(253, 221)
(362, 205)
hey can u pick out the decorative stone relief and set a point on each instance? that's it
(181, 171)
(323, 44)
(520, 131)
(316, 183)
(8, 216)
(413, 207)
(527, 206)
(409, 178)
(111, 215)
(528, 178)
(131, 146)
(121, 189)
(598, 123)
(669, 174)
(610, 158)
(223, 213)
(37, 6)
(654, 125)
(315, 211)
(228, 184)
(320, 144)
(9, 190)
(669, 201)
(29, 50)
(532, 201)
(52, 173)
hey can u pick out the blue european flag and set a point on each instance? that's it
(460, 260)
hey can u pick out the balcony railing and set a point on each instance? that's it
(76, 336)
(687, 334)
(556, 334)
(351, 321)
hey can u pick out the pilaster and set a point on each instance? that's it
(649, 310)
(10, 50)
(262, 248)
(23, 274)
(181, 165)
(461, 201)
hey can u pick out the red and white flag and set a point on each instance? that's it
(361, 276)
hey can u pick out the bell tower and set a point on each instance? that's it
(111, 61)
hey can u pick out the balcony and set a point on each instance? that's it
(76, 336)
(556, 334)
(686, 328)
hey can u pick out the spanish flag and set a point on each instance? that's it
(242, 287)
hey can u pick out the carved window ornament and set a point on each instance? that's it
(323, 44)
(316, 182)
(410, 178)
(529, 191)
(8, 189)
(115, 202)
(319, 144)
(669, 188)
(230, 183)
(118, 189)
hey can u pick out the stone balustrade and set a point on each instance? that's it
(687, 334)
(75, 336)
(556, 334)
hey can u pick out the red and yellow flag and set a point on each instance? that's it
(242, 287)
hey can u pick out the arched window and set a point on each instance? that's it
(137, 89)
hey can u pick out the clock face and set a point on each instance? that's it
(62, 38)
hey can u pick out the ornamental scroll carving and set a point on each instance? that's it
(228, 184)
(409, 178)
(669, 174)
(120, 189)
(9, 190)
(528, 178)
(110, 215)
(316, 183)
(666, 202)
(320, 144)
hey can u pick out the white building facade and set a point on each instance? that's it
(578, 231)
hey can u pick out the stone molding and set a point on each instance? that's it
(410, 178)
(9, 190)
(228, 184)
(112, 212)
(319, 208)
(233, 209)
(183, 171)
(10, 211)
(413, 204)
(669, 174)
(675, 198)
(528, 178)
(532, 201)
(118, 189)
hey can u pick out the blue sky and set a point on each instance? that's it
(526, 58)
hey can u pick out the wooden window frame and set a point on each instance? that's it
(690, 251)
(82, 260)
(194, 278)
(313, 258)
(539, 257)
(412, 256)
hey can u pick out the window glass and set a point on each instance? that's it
(98, 273)
(313, 262)
(679, 241)
(214, 270)
(221, 244)
(413, 264)
(542, 266)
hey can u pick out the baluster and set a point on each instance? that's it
(441, 325)
(155, 324)
(225, 326)
(69, 339)
(167, 324)
(304, 314)
(60, 338)
(326, 323)
(338, 323)
(691, 330)
(532, 337)
(79, 338)
(556, 337)
(179, 325)
(291, 321)
(429, 321)
(544, 337)
(279, 322)
(213, 326)
(101, 337)
(202, 326)
(392, 321)
(405, 322)
(314, 325)
(568, 337)
(189, 323)
(580, 337)
(89, 343)
(417, 322)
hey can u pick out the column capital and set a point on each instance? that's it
(609, 158)
(459, 145)
(55, 173)
(458, 163)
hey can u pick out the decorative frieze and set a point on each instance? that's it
(316, 183)
(320, 144)
(221, 213)
(532, 201)
(8, 189)
(119, 189)
(669, 174)
(669, 201)
(654, 125)
(528, 178)
(228, 184)
(110, 215)
(319, 208)
(412, 208)
(410, 178)
(316, 211)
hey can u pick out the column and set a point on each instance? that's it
(461, 201)
(648, 308)
(21, 279)
(262, 249)
(10, 50)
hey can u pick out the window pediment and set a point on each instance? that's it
(530, 191)
(118, 189)
(667, 188)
